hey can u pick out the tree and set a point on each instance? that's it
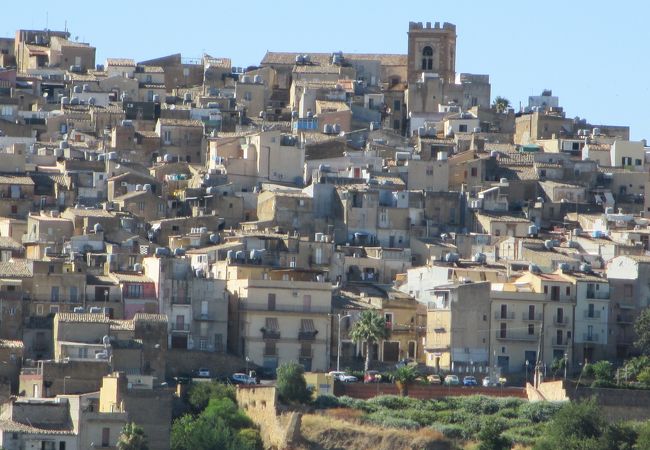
(403, 377)
(132, 438)
(603, 370)
(370, 328)
(642, 329)
(557, 367)
(291, 384)
(200, 394)
(577, 426)
(501, 104)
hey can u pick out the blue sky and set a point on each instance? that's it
(593, 55)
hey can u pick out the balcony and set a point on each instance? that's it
(526, 317)
(590, 337)
(184, 327)
(624, 319)
(560, 342)
(515, 336)
(504, 316)
(592, 315)
(270, 334)
(246, 306)
(561, 321)
(204, 317)
(307, 335)
(181, 300)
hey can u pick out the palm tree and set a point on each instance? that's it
(370, 328)
(132, 438)
(501, 104)
(404, 376)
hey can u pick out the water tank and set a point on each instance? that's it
(203, 230)
(180, 251)
(74, 101)
(138, 187)
(494, 154)
(65, 100)
(328, 129)
(240, 255)
(92, 101)
(318, 237)
(442, 156)
(161, 251)
(585, 267)
(254, 255)
(215, 238)
(58, 153)
(95, 310)
(548, 244)
(246, 79)
(127, 123)
(503, 181)
(609, 210)
(137, 267)
(596, 132)
(477, 130)
(167, 158)
(112, 156)
(257, 79)
(101, 157)
(76, 89)
(337, 128)
(577, 231)
(48, 251)
(98, 228)
(230, 255)
(452, 257)
(479, 258)
(212, 190)
(534, 268)
(532, 230)
(310, 114)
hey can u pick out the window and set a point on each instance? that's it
(637, 162)
(429, 170)
(134, 290)
(531, 329)
(568, 291)
(167, 137)
(203, 344)
(388, 317)
(628, 290)
(397, 105)
(427, 58)
(474, 171)
(161, 208)
(504, 311)
(462, 128)
(396, 124)
(590, 310)
(271, 302)
(73, 294)
(531, 312)
(141, 206)
(248, 96)
(503, 330)
(54, 294)
(270, 348)
(48, 445)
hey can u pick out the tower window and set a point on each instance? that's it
(427, 58)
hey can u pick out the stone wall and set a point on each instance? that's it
(279, 430)
(187, 362)
(424, 392)
(152, 410)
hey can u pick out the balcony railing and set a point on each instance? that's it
(560, 342)
(270, 334)
(205, 317)
(515, 336)
(527, 317)
(307, 335)
(560, 321)
(504, 316)
(181, 327)
(592, 315)
(590, 337)
(245, 306)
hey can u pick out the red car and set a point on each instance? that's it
(372, 376)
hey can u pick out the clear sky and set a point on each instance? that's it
(592, 54)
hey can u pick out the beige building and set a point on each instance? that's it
(278, 316)
(532, 314)
(458, 328)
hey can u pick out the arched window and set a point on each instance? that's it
(427, 58)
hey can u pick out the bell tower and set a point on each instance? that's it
(432, 50)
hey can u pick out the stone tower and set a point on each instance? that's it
(432, 50)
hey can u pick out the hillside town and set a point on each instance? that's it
(182, 218)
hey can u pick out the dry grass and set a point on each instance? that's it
(330, 432)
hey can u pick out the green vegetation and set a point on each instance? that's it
(404, 376)
(371, 327)
(642, 329)
(132, 438)
(216, 422)
(501, 104)
(291, 384)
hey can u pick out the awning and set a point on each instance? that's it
(10, 282)
(307, 325)
(272, 324)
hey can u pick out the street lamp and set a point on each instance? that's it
(247, 361)
(338, 346)
(566, 361)
(67, 377)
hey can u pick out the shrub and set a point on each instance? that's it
(620, 436)
(526, 436)
(326, 401)
(392, 402)
(291, 384)
(539, 411)
(575, 426)
(643, 436)
(644, 376)
(600, 383)
(250, 438)
(479, 404)
(200, 394)
(388, 419)
(449, 431)
(491, 435)
(603, 370)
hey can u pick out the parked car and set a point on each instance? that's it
(452, 380)
(203, 372)
(372, 376)
(434, 379)
(470, 380)
(494, 382)
(343, 377)
(242, 378)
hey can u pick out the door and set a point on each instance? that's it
(179, 341)
(101, 294)
(180, 322)
(411, 350)
(531, 312)
(503, 362)
(504, 311)
(391, 351)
